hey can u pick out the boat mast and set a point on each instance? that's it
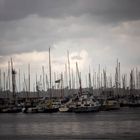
(54, 80)
(98, 80)
(9, 84)
(117, 78)
(62, 95)
(43, 78)
(47, 83)
(73, 80)
(19, 81)
(0, 81)
(29, 79)
(50, 74)
(86, 85)
(25, 85)
(95, 80)
(105, 79)
(99, 76)
(37, 87)
(69, 70)
(4, 89)
(119, 72)
(110, 81)
(89, 78)
(79, 77)
(13, 81)
(124, 83)
(66, 75)
(132, 83)
(137, 79)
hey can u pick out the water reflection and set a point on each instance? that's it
(101, 123)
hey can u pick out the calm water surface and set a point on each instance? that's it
(121, 124)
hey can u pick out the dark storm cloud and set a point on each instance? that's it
(107, 10)
(22, 28)
(17, 9)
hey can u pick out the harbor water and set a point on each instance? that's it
(117, 124)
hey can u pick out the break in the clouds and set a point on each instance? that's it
(94, 31)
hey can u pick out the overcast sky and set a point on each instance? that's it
(94, 31)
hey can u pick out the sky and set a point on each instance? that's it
(93, 31)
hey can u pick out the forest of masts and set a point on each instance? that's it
(10, 80)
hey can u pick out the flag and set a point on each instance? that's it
(13, 71)
(58, 81)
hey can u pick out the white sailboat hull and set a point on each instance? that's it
(63, 109)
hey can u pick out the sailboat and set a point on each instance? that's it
(110, 104)
(68, 106)
(49, 105)
(12, 106)
(85, 102)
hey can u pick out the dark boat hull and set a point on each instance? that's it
(85, 109)
(134, 105)
(51, 110)
(10, 110)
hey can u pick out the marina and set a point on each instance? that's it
(68, 99)
(69, 70)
